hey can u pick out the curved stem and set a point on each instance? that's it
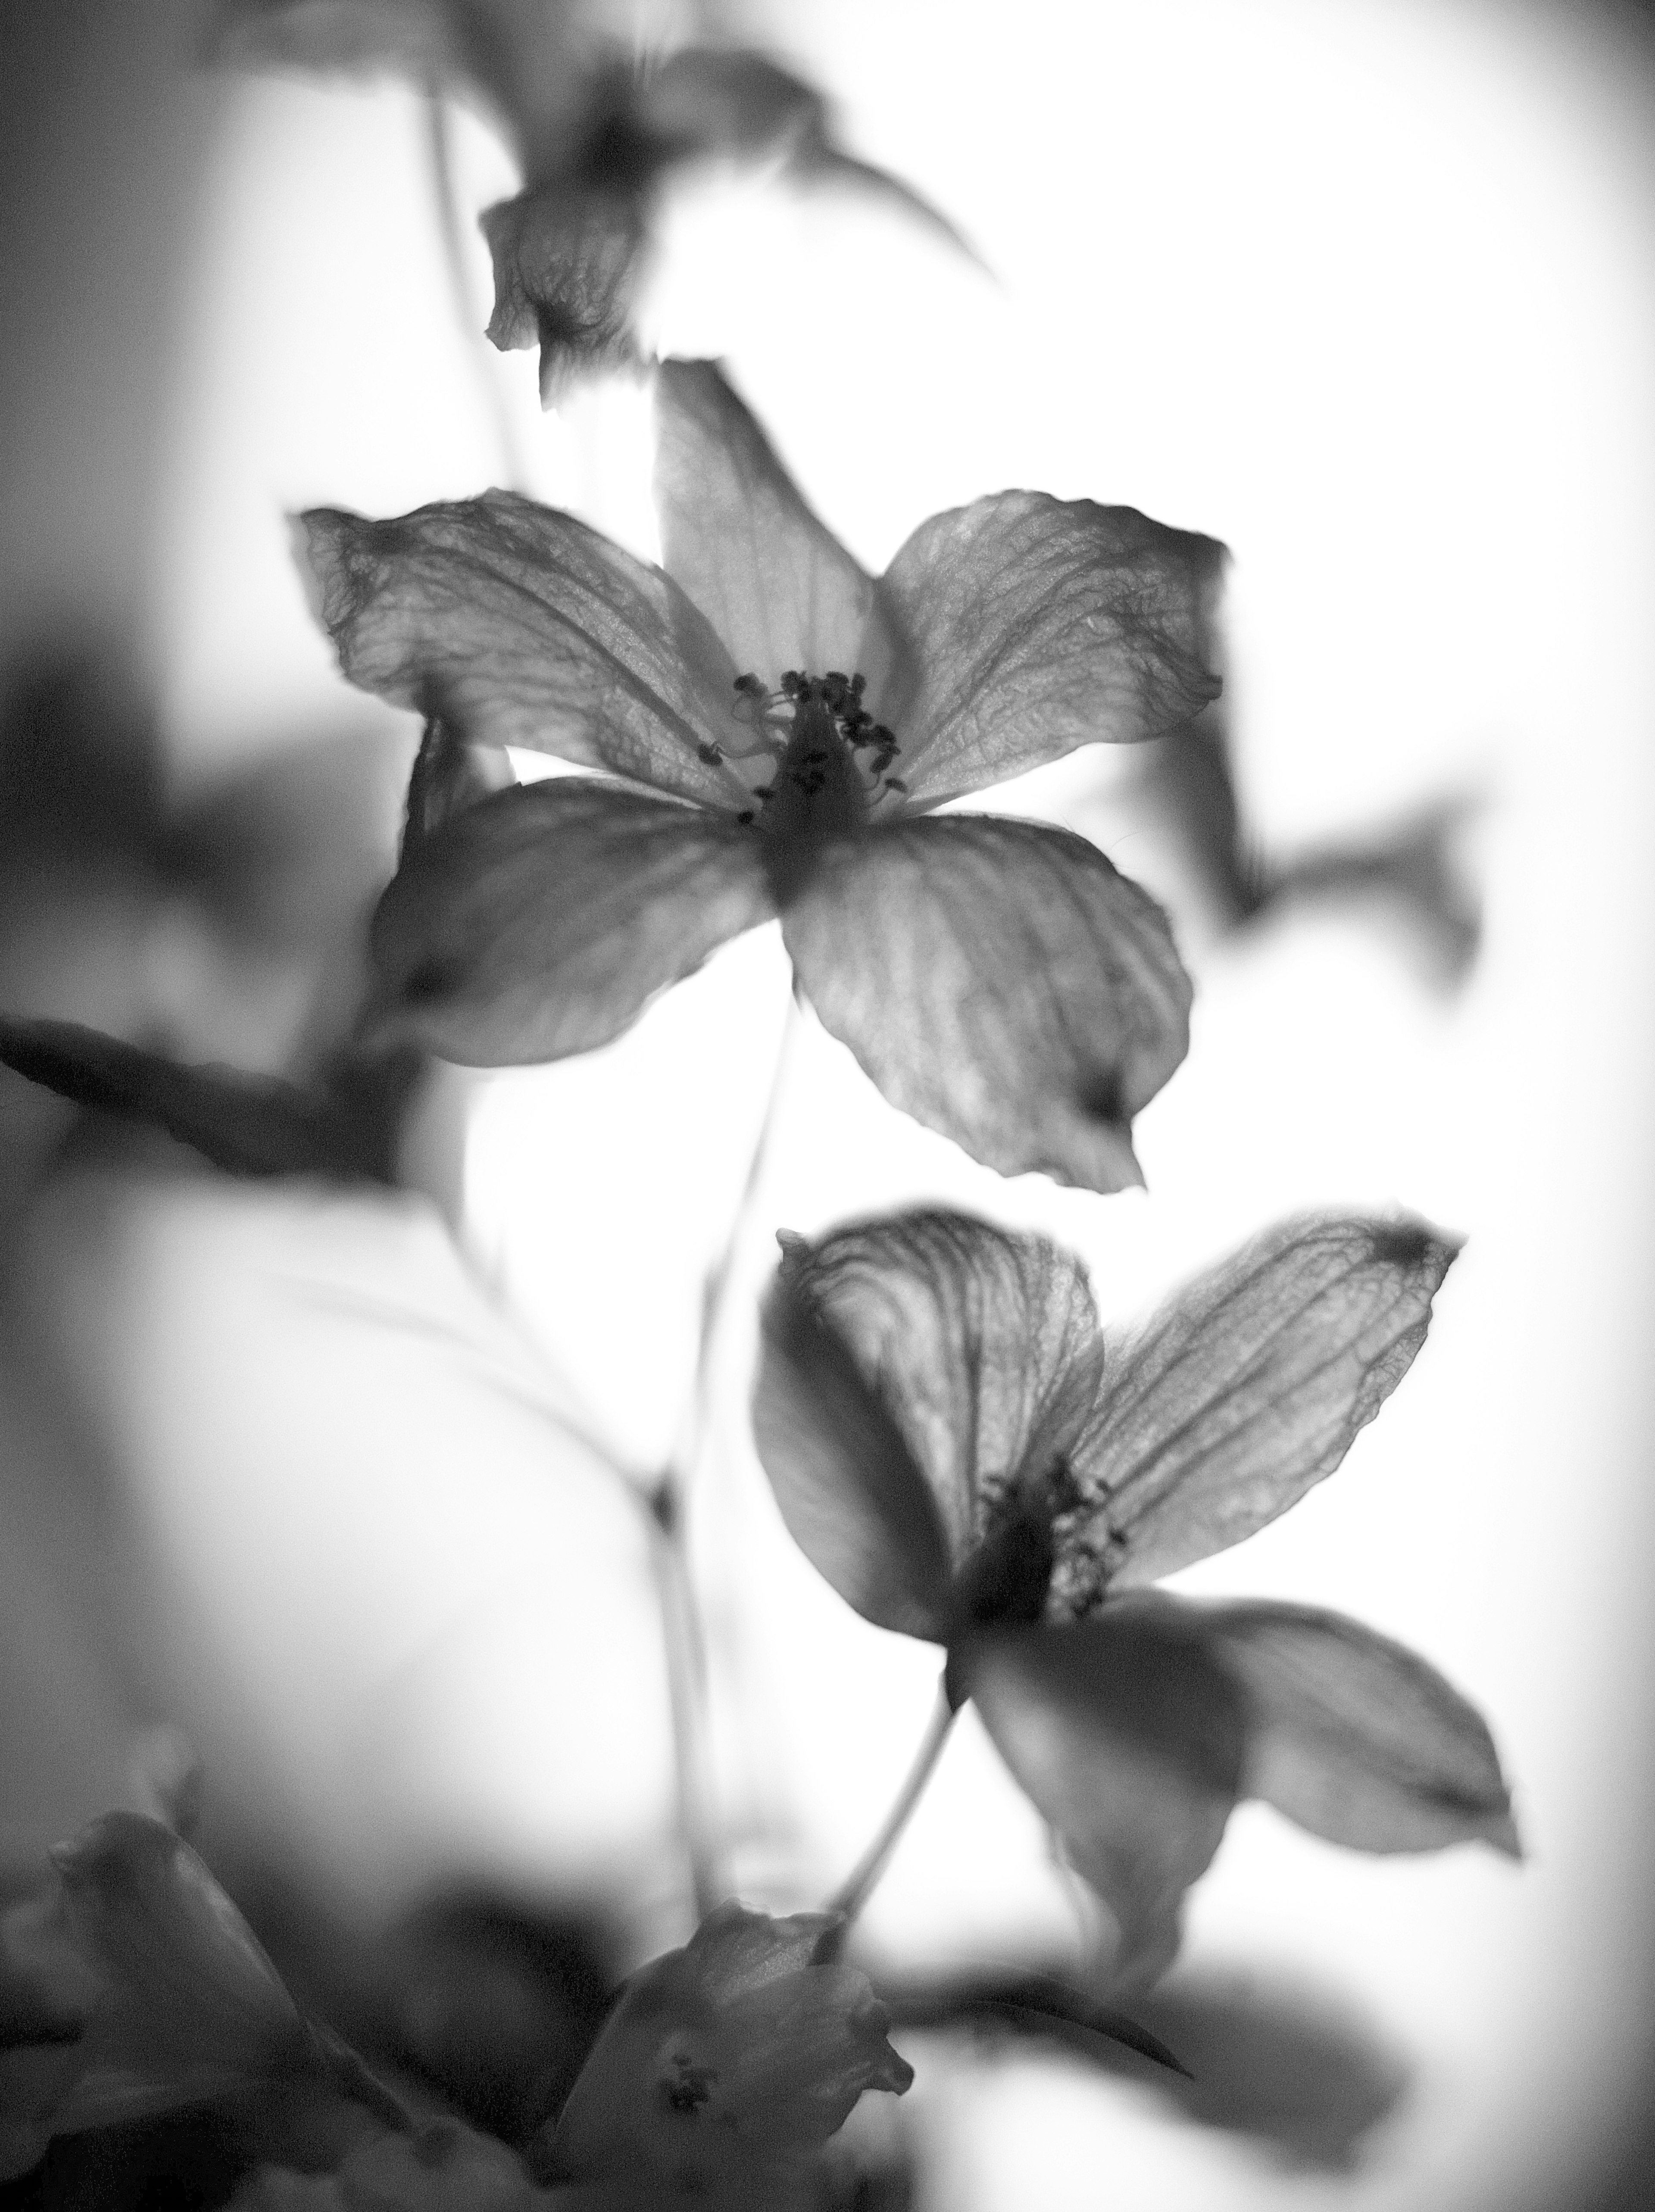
(439, 141)
(861, 1882)
(686, 1688)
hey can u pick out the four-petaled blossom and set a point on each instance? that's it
(794, 723)
(968, 1459)
(598, 133)
(725, 2067)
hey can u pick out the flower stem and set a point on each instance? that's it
(861, 1882)
(686, 1687)
(439, 139)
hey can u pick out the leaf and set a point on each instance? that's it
(568, 258)
(249, 1125)
(538, 923)
(531, 630)
(726, 2060)
(1249, 1386)
(1129, 1738)
(972, 1355)
(775, 583)
(1355, 1737)
(848, 1487)
(1000, 981)
(1039, 624)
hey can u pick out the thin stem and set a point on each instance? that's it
(861, 1882)
(438, 139)
(686, 1685)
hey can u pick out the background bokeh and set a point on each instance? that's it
(1363, 289)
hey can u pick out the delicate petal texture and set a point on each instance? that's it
(1355, 1737)
(529, 629)
(979, 1349)
(1249, 1386)
(854, 1500)
(1129, 1738)
(249, 1125)
(567, 261)
(1039, 624)
(537, 923)
(1002, 983)
(744, 2049)
(775, 583)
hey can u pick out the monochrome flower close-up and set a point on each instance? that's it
(600, 131)
(779, 729)
(968, 1458)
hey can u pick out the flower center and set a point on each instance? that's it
(811, 727)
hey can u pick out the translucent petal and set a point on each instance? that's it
(1000, 981)
(1355, 1737)
(568, 258)
(1039, 624)
(846, 1482)
(1249, 1385)
(979, 1347)
(525, 628)
(1129, 1738)
(537, 923)
(776, 583)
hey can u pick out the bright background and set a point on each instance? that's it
(1362, 289)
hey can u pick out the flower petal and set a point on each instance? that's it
(773, 580)
(529, 629)
(1039, 624)
(743, 2048)
(924, 1349)
(1249, 1385)
(1355, 1737)
(854, 1500)
(537, 923)
(1129, 1738)
(568, 257)
(249, 1125)
(1002, 983)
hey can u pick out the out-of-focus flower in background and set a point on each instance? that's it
(963, 1455)
(998, 980)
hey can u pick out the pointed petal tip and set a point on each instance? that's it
(1502, 1832)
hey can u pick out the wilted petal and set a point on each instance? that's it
(249, 1125)
(961, 1358)
(745, 2048)
(1355, 1737)
(531, 630)
(1000, 981)
(774, 582)
(854, 1500)
(1249, 1385)
(537, 923)
(1128, 1737)
(567, 261)
(1039, 624)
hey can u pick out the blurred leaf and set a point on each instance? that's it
(1002, 983)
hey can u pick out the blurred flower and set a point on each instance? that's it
(597, 132)
(966, 1458)
(725, 2067)
(443, 2167)
(997, 979)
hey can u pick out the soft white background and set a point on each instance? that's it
(1360, 288)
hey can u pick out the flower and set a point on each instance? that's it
(786, 726)
(966, 1457)
(725, 2067)
(598, 133)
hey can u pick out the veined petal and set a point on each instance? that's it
(1001, 982)
(972, 1355)
(774, 582)
(1039, 624)
(1249, 1385)
(1129, 1738)
(537, 923)
(568, 257)
(527, 629)
(1355, 1737)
